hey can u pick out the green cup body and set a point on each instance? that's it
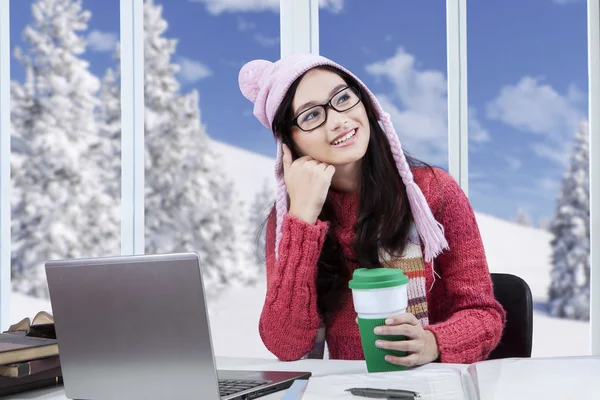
(378, 293)
(374, 356)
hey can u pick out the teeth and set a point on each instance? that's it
(345, 137)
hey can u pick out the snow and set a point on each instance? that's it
(250, 170)
(518, 250)
(511, 248)
(569, 294)
(53, 114)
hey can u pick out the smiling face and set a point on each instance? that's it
(344, 136)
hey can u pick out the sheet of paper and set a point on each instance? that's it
(538, 378)
(432, 384)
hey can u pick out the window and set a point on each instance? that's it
(65, 140)
(399, 52)
(206, 156)
(528, 84)
(208, 168)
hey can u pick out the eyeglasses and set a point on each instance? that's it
(316, 116)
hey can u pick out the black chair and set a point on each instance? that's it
(514, 294)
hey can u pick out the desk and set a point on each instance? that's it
(317, 367)
(568, 377)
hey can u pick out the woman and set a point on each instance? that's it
(348, 197)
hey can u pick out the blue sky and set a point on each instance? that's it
(527, 70)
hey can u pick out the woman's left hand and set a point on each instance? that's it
(420, 344)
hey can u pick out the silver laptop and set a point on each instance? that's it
(136, 327)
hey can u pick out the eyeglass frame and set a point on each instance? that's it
(326, 106)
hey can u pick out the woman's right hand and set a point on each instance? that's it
(307, 182)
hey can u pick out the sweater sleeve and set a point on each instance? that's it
(476, 319)
(290, 320)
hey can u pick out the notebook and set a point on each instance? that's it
(515, 379)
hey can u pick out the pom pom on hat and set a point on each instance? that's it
(250, 78)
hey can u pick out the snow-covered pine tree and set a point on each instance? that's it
(522, 217)
(259, 211)
(241, 270)
(105, 154)
(58, 208)
(543, 223)
(21, 113)
(569, 292)
(108, 153)
(185, 187)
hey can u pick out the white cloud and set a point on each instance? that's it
(556, 154)
(477, 133)
(482, 187)
(542, 188)
(244, 25)
(263, 40)
(418, 106)
(102, 42)
(335, 6)
(217, 7)
(535, 107)
(548, 184)
(192, 71)
(266, 41)
(514, 163)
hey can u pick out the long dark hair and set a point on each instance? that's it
(384, 217)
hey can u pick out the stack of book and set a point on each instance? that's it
(29, 356)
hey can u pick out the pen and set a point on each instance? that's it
(396, 394)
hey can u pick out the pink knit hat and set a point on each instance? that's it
(265, 84)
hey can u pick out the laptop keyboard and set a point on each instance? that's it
(231, 386)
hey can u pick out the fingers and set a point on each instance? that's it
(287, 158)
(308, 161)
(411, 360)
(407, 330)
(330, 169)
(406, 318)
(304, 162)
(415, 341)
(411, 346)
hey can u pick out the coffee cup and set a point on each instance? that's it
(378, 293)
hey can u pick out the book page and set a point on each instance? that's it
(432, 384)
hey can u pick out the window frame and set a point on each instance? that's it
(458, 106)
(593, 15)
(5, 187)
(299, 27)
(132, 127)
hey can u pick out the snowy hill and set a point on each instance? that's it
(249, 170)
(510, 248)
(518, 250)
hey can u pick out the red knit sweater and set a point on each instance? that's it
(464, 316)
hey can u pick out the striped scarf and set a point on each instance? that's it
(413, 266)
(411, 263)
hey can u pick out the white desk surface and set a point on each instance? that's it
(317, 367)
(575, 377)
